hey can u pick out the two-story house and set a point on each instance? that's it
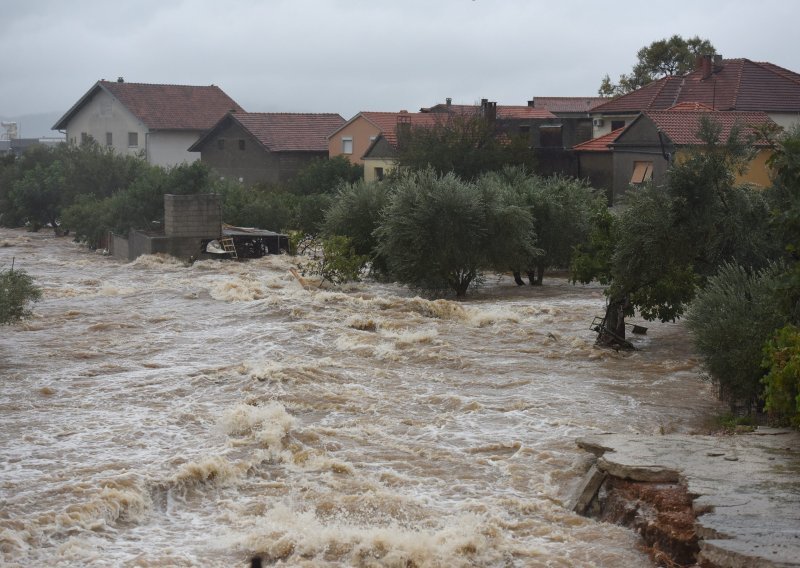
(720, 84)
(157, 122)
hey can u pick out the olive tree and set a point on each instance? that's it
(437, 231)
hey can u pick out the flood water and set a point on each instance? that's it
(157, 414)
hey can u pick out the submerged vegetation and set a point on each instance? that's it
(17, 292)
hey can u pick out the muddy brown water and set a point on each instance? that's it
(154, 414)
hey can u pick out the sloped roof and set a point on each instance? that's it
(504, 112)
(163, 107)
(599, 144)
(691, 106)
(282, 132)
(681, 127)
(568, 104)
(736, 84)
(387, 122)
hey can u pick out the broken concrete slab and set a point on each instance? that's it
(746, 488)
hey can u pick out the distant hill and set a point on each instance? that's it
(35, 125)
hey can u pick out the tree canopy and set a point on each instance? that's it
(466, 144)
(673, 56)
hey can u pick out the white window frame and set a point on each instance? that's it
(347, 144)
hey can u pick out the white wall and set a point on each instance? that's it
(104, 114)
(785, 120)
(169, 148)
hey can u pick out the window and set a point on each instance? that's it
(642, 172)
(347, 145)
(84, 138)
(379, 174)
(616, 124)
(133, 139)
(109, 139)
(220, 143)
(241, 144)
(524, 130)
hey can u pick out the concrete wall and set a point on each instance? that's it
(623, 169)
(607, 119)
(192, 215)
(597, 168)
(225, 155)
(118, 247)
(361, 131)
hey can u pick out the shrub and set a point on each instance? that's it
(730, 321)
(17, 291)
(338, 262)
(782, 382)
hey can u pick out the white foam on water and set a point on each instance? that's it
(158, 414)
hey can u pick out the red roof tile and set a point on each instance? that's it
(387, 122)
(164, 107)
(681, 126)
(523, 112)
(738, 84)
(504, 112)
(599, 144)
(568, 104)
(691, 106)
(288, 132)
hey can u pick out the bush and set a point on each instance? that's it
(782, 359)
(17, 291)
(437, 232)
(338, 263)
(730, 321)
(356, 213)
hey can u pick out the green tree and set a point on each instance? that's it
(465, 144)
(356, 213)
(730, 319)
(436, 231)
(782, 382)
(665, 57)
(668, 240)
(325, 175)
(38, 196)
(17, 292)
(563, 210)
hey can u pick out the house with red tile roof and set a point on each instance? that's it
(720, 84)
(540, 126)
(595, 162)
(381, 156)
(158, 122)
(254, 147)
(643, 150)
(573, 113)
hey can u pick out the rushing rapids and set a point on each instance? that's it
(158, 414)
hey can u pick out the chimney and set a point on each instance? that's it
(703, 64)
(717, 63)
(489, 110)
(448, 101)
(120, 79)
(532, 102)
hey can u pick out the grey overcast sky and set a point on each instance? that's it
(349, 55)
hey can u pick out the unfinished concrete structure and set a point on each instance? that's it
(189, 220)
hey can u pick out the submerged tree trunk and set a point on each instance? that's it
(613, 332)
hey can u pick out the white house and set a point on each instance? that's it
(158, 122)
